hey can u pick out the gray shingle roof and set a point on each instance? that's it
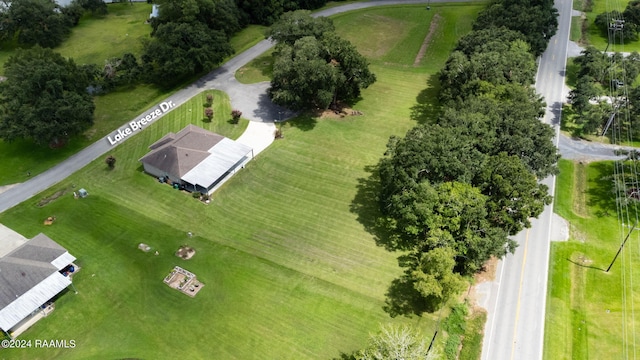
(177, 154)
(29, 277)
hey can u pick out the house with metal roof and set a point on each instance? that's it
(196, 158)
(30, 276)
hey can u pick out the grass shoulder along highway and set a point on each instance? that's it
(590, 312)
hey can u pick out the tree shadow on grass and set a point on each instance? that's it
(427, 107)
(401, 298)
(367, 207)
(601, 190)
(345, 356)
(304, 122)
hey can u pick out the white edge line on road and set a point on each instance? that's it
(553, 193)
(495, 308)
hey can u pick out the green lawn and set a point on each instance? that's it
(596, 37)
(21, 157)
(290, 271)
(257, 70)
(585, 308)
(113, 109)
(247, 37)
(96, 39)
(394, 39)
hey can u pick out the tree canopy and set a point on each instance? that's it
(298, 24)
(456, 186)
(221, 15)
(44, 97)
(179, 50)
(313, 66)
(36, 22)
(396, 342)
(537, 20)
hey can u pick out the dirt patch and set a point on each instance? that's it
(435, 22)
(580, 189)
(337, 112)
(478, 292)
(48, 199)
(185, 252)
(488, 273)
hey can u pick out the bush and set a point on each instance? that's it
(235, 115)
(455, 325)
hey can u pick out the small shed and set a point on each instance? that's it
(83, 193)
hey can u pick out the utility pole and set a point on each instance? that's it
(436, 333)
(622, 245)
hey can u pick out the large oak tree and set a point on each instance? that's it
(313, 66)
(44, 97)
(34, 22)
(180, 50)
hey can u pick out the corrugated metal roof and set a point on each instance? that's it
(62, 261)
(24, 305)
(224, 155)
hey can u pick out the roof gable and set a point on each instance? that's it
(28, 265)
(177, 154)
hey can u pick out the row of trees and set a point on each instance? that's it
(602, 81)
(313, 66)
(453, 189)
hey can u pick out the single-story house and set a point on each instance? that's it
(196, 158)
(30, 275)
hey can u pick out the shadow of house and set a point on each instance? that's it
(30, 276)
(196, 159)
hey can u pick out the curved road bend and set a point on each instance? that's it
(516, 332)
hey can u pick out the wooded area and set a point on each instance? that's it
(458, 184)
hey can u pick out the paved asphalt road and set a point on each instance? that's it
(515, 324)
(250, 99)
(517, 297)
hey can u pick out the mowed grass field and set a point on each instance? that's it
(93, 41)
(590, 313)
(598, 38)
(96, 39)
(289, 270)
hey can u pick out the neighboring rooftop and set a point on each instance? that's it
(29, 276)
(9, 240)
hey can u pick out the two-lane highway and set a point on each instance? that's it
(515, 323)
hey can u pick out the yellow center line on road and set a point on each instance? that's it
(515, 328)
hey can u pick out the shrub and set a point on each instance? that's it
(235, 115)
